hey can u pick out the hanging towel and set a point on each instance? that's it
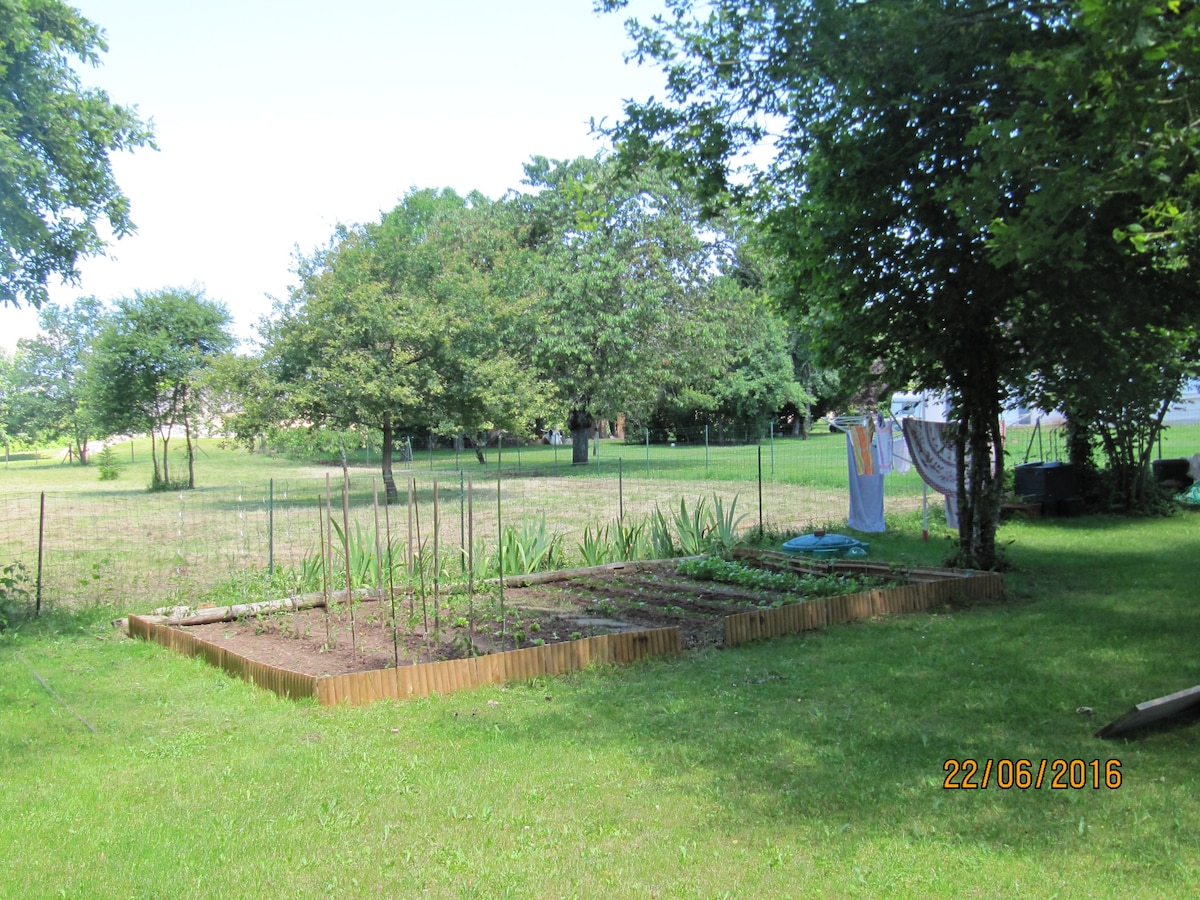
(933, 454)
(859, 437)
(901, 458)
(866, 491)
(883, 448)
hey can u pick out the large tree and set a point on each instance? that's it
(922, 154)
(870, 109)
(50, 397)
(56, 182)
(627, 272)
(145, 363)
(1109, 238)
(408, 319)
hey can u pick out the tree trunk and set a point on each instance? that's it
(157, 480)
(191, 450)
(580, 422)
(979, 484)
(389, 481)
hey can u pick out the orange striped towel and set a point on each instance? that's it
(860, 445)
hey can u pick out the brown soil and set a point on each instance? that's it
(319, 642)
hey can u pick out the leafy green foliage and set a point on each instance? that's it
(16, 595)
(596, 548)
(109, 469)
(530, 547)
(145, 363)
(413, 318)
(629, 306)
(806, 587)
(49, 400)
(56, 180)
(948, 188)
(704, 527)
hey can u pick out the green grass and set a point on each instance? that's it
(809, 766)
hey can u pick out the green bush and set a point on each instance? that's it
(16, 596)
(109, 470)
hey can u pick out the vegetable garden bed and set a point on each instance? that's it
(550, 623)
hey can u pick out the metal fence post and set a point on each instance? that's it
(620, 492)
(271, 529)
(760, 500)
(41, 544)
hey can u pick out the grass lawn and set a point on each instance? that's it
(808, 766)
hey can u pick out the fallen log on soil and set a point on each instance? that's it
(566, 574)
(174, 615)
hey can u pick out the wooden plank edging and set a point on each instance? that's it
(812, 615)
(420, 680)
(451, 675)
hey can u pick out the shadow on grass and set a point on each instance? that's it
(852, 727)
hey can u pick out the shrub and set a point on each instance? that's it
(16, 595)
(109, 470)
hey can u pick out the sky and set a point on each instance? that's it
(276, 120)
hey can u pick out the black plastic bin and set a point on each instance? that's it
(1046, 482)
(1174, 471)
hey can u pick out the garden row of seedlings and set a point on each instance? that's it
(414, 561)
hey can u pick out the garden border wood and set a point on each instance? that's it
(929, 588)
(423, 679)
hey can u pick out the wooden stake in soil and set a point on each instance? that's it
(420, 561)
(412, 487)
(346, 547)
(387, 523)
(500, 553)
(437, 628)
(378, 551)
(471, 561)
(324, 567)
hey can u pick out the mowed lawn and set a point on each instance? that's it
(808, 766)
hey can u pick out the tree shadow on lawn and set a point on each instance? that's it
(852, 726)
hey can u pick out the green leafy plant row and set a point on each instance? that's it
(810, 587)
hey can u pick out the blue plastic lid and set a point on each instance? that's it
(807, 543)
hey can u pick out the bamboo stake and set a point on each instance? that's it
(324, 569)
(437, 627)
(378, 551)
(346, 547)
(421, 572)
(412, 486)
(387, 523)
(500, 553)
(471, 561)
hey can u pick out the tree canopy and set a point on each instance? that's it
(58, 196)
(50, 400)
(629, 305)
(145, 363)
(912, 186)
(413, 318)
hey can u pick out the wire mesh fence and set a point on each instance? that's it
(138, 549)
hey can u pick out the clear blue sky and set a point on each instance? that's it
(278, 119)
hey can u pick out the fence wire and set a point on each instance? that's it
(138, 550)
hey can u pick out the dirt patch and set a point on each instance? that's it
(317, 641)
